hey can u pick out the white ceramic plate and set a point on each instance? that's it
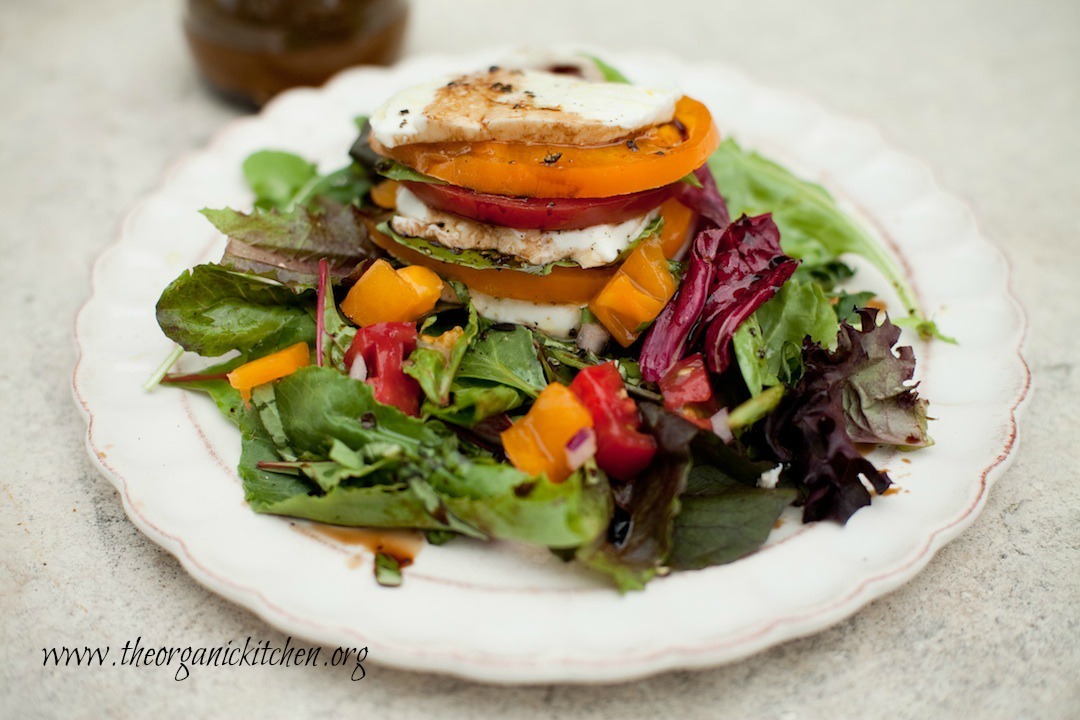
(504, 613)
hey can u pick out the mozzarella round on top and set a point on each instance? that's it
(520, 105)
(588, 247)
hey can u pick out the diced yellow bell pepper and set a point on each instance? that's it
(428, 287)
(536, 444)
(383, 294)
(385, 194)
(271, 367)
(632, 299)
(648, 267)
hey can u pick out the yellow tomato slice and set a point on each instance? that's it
(564, 284)
(652, 158)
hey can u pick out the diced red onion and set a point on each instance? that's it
(580, 448)
(719, 423)
(593, 337)
(358, 371)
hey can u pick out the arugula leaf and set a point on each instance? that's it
(812, 226)
(211, 310)
(507, 357)
(277, 177)
(287, 246)
(768, 345)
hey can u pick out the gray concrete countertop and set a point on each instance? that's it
(99, 97)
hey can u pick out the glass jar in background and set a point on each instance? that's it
(250, 50)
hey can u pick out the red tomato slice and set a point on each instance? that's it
(539, 213)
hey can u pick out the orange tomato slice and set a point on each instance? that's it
(564, 284)
(652, 158)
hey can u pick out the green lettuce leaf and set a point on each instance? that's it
(434, 369)
(768, 345)
(424, 481)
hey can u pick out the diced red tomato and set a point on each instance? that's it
(540, 213)
(384, 347)
(687, 391)
(622, 450)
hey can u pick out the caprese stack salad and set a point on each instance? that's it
(524, 312)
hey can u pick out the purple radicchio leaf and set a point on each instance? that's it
(813, 431)
(731, 273)
(705, 200)
(748, 270)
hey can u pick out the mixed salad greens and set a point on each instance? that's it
(780, 371)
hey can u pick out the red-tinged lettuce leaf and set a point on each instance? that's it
(287, 246)
(640, 537)
(731, 273)
(813, 432)
(880, 404)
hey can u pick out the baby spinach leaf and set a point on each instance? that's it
(211, 310)
(721, 520)
(472, 401)
(506, 357)
(277, 177)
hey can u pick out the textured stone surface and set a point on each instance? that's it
(99, 97)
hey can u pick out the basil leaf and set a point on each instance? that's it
(610, 74)
(393, 170)
(491, 259)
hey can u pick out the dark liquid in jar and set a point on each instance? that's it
(250, 50)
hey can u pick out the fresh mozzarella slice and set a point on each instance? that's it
(588, 247)
(557, 320)
(527, 106)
